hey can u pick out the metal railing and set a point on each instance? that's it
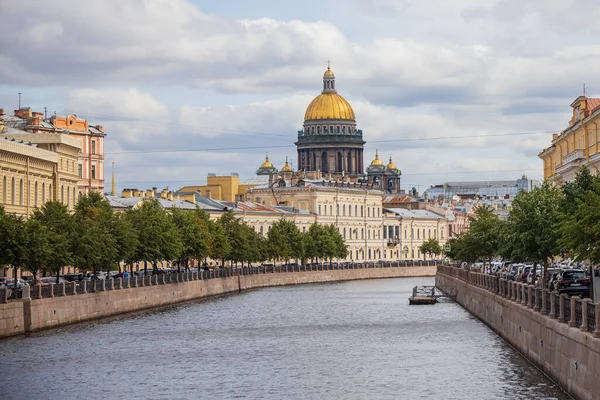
(582, 315)
(132, 282)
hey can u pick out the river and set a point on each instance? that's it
(348, 340)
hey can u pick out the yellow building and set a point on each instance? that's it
(577, 145)
(37, 168)
(220, 187)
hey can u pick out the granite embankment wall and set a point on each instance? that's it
(569, 355)
(29, 315)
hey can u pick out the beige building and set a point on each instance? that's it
(577, 145)
(89, 166)
(36, 168)
(220, 187)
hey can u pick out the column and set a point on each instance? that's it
(584, 314)
(345, 162)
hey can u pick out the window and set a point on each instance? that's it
(93, 147)
(331, 209)
(93, 172)
(43, 192)
(12, 191)
(429, 233)
(62, 194)
(344, 233)
(344, 210)
(74, 196)
(36, 194)
(362, 233)
(319, 209)
(362, 211)
(350, 211)
(369, 212)
(80, 171)
(418, 234)
(337, 209)
(368, 234)
(50, 193)
(21, 192)
(4, 190)
(385, 232)
(262, 231)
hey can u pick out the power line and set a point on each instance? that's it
(290, 145)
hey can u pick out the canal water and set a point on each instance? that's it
(348, 340)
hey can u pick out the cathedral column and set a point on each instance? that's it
(345, 162)
(318, 162)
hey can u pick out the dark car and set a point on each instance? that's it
(597, 270)
(512, 272)
(572, 282)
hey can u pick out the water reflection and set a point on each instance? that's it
(351, 340)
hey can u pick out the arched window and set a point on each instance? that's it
(312, 130)
(343, 129)
(36, 194)
(318, 130)
(337, 129)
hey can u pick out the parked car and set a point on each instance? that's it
(597, 270)
(572, 282)
(513, 271)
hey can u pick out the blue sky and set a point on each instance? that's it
(166, 75)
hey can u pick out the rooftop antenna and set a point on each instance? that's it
(19, 100)
(45, 112)
(584, 92)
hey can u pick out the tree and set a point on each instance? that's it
(431, 247)
(158, 238)
(94, 241)
(579, 220)
(533, 225)
(54, 215)
(127, 238)
(319, 243)
(219, 246)
(13, 239)
(194, 237)
(37, 252)
(285, 240)
(238, 242)
(482, 237)
(335, 246)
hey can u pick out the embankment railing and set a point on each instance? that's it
(574, 311)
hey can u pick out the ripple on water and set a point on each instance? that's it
(349, 340)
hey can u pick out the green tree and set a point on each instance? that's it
(533, 225)
(13, 239)
(239, 245)
(285, 240)
(335, 246)
(482, 238)
(37, 252)
(318, 242)
(94, 241)
(55, 216)
(158, 238)
(219, 246)
(194, 236)
(431, 247)
(127, 238)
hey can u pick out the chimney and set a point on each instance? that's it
(135, 192)
(149, 193)
(2, 111)
(170, 196)
(126, 193)
(554, 136)
(100, 128)
(23, 112)
(163, 194)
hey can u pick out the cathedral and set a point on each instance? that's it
(331, 148)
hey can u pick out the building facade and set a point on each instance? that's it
(329, 141)
(35, 169)
(577, 145)
(90, 160)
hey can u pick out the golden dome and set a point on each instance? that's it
(328, 73)
(391, 165)
(376, 161)
(329, 106)
(267, 163)
(286, 167)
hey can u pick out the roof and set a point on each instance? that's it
(256, 207)
(400, 198)
(414, 214)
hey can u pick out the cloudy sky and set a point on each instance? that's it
(454, 90)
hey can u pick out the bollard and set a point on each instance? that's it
(74, 288)
(561, 308)
(26, 294)
(102, 285)
(573, 320)
(509, 290)
(584, 314)
(597, 330)
(553, 310)
(120, 282)
(38, 290)
(530, 298)
(523, 292)
(544, 309)
(62, 289)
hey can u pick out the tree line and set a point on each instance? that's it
(93, 237)
(553, 220)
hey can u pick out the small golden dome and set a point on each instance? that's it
(329, 106)
(376, 161)
(391, 165)
(286, 167)
(328, 73)
(267, 163)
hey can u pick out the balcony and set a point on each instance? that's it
(393, 241)
(570, 165)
